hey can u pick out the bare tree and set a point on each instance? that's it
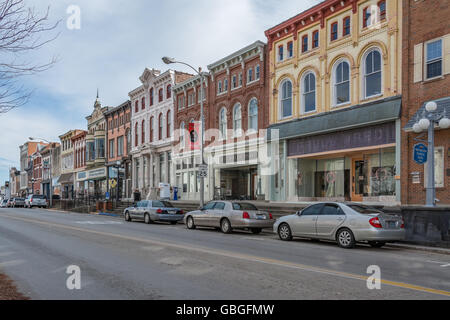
(22, 30)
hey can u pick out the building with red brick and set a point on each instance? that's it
(79, 158)
(426, 77)
(235, 111)
(118, 149)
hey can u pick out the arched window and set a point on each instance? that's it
(372, 73)
(160, 95)
(169, 91)
(169, 124)
(182, 133)
(237, 119)
(136, 138)
(160, 126)
(286, 99)
(223, 123)
(151, 96)
(309, 93)
(143, 103)
(143, 132)
(136, 107)
(152, 128)
(341, 83)
(253, 115)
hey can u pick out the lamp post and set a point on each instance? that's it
(50, 168)
(431, 119)
(168, 60)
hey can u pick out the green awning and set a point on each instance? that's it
(386, 110)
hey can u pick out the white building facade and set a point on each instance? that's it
(152, 130)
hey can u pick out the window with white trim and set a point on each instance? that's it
(223, 123)
(237, 120)
(372, 74)
(433, 59)
(341, 83)
(309, 92)
(286, 99)
(253, 115)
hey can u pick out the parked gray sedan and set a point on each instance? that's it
(229, 215)
(344, 223)
(151, 211)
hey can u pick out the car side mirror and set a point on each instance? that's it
(201, 208)
(299, 213)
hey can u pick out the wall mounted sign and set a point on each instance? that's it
(420, 153)
(382, 134)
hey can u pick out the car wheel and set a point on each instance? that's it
(148, 219)
(190, 223)
(377, 244)
(346, 239)
(127, 217)
(225, 226)
(284, 232)
(256, 230)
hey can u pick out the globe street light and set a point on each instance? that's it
(428, 122)
(168, 60)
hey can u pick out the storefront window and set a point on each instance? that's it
(330, 178)
(380, 173)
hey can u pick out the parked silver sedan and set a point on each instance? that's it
(346, 224)
(229, 215)
(151, 211)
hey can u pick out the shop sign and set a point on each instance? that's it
(420, 153)
(350, 139)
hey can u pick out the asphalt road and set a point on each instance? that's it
(120, 260)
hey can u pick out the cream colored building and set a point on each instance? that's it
(335, 100)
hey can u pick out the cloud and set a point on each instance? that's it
(117, 40)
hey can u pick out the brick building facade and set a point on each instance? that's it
(118, 147)
(426, 77)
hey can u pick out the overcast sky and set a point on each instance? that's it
(117, 40)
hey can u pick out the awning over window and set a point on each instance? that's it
(383, 111)
(443, 105)
(66, 178)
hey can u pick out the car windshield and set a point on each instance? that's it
(364, 209)
(244, 206)
(39, 197)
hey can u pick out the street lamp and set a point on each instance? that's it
(117, 166)
(50, 173)
(428, 122)
(168, 60)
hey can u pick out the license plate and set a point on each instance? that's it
(391, 224)
(261, 217)
(172, 212)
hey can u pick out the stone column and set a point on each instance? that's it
(152, 183)
(166, 166)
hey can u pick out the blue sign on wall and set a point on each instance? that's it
(420, 153)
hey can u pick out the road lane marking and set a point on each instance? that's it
(443, 264)
(239, 256)
(4, 254)
(11, 263)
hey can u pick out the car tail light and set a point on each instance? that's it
(246, 215)
(403, 225)
(181, 212)
(375, 222)
(270, 216)
(159, 211)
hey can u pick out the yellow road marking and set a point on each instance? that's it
(240, 256)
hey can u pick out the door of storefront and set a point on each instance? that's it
(358, 179)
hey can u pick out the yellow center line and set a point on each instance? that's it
(235, 255)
